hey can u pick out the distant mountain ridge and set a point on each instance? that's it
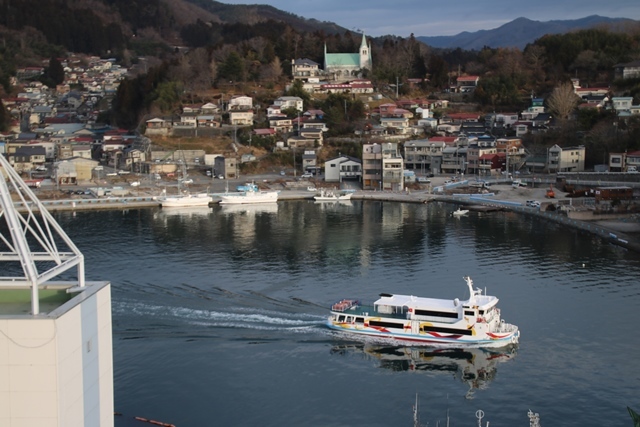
(522, 31)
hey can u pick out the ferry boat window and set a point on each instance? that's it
(359, 319)
(349, 319)
(469, 313)
(447, 314)
(341, 318)
(481, 311)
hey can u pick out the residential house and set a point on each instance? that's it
(515, 153)
(227, 166)
(627, 70)
(536, 107)
(361, 86)
(191, 109)
(395, 125)
(477, 155)
(454, 159)
(620, 162)
(264, 132)
(491, 163)
(81, 150)
(285, 102)
(312, 134)
(74, 170)
(280, 124)
(342, 168)
(210, 108)
(132, 159)
(392, 167)
(467, 83)
(241, 118)
(387, 110)
(622, 103)
(633, 159)
(314, 124)
(297, 142)
(506, 120)
(157, 126)
(473, 128)
(372, 166)
(240, 102)
(27, 158)
(189, 119)
(566, 159)
(274, 110)
(207, 120)
(310, 161)
(314, 114)
(522, 127)
(417, 155)
(304, 68)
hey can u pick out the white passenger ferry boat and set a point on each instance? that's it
(475, 321)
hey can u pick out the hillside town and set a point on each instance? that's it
(56, 134)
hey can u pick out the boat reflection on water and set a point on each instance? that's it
(186, 212)
(249, 209)
(476, 367)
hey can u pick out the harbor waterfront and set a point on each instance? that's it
(219, 316)
(616, 232)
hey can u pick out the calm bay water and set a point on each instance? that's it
(218, 315)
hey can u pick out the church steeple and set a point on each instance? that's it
(365, 54)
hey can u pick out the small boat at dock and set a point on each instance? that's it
(460, 212)
(333, 196)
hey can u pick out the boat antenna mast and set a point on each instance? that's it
(34, 239)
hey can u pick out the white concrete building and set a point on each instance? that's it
(56, 363)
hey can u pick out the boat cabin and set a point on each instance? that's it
(411, 307)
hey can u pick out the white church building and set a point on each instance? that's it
(348, 66)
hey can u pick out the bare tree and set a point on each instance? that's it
(272, 71)
(562, 101)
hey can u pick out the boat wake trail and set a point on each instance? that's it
(241, 318)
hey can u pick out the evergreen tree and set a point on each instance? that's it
(4, 117)
(55, 71)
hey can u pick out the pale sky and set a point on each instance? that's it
(445, 18)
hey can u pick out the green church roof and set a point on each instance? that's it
(343, 59)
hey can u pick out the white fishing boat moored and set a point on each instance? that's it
(475, 321)
(332, 196)
(185, 200)
(251, 195)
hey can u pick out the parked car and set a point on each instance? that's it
(306, 175)
(532, 203)
(187, 181)
(424, 179)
